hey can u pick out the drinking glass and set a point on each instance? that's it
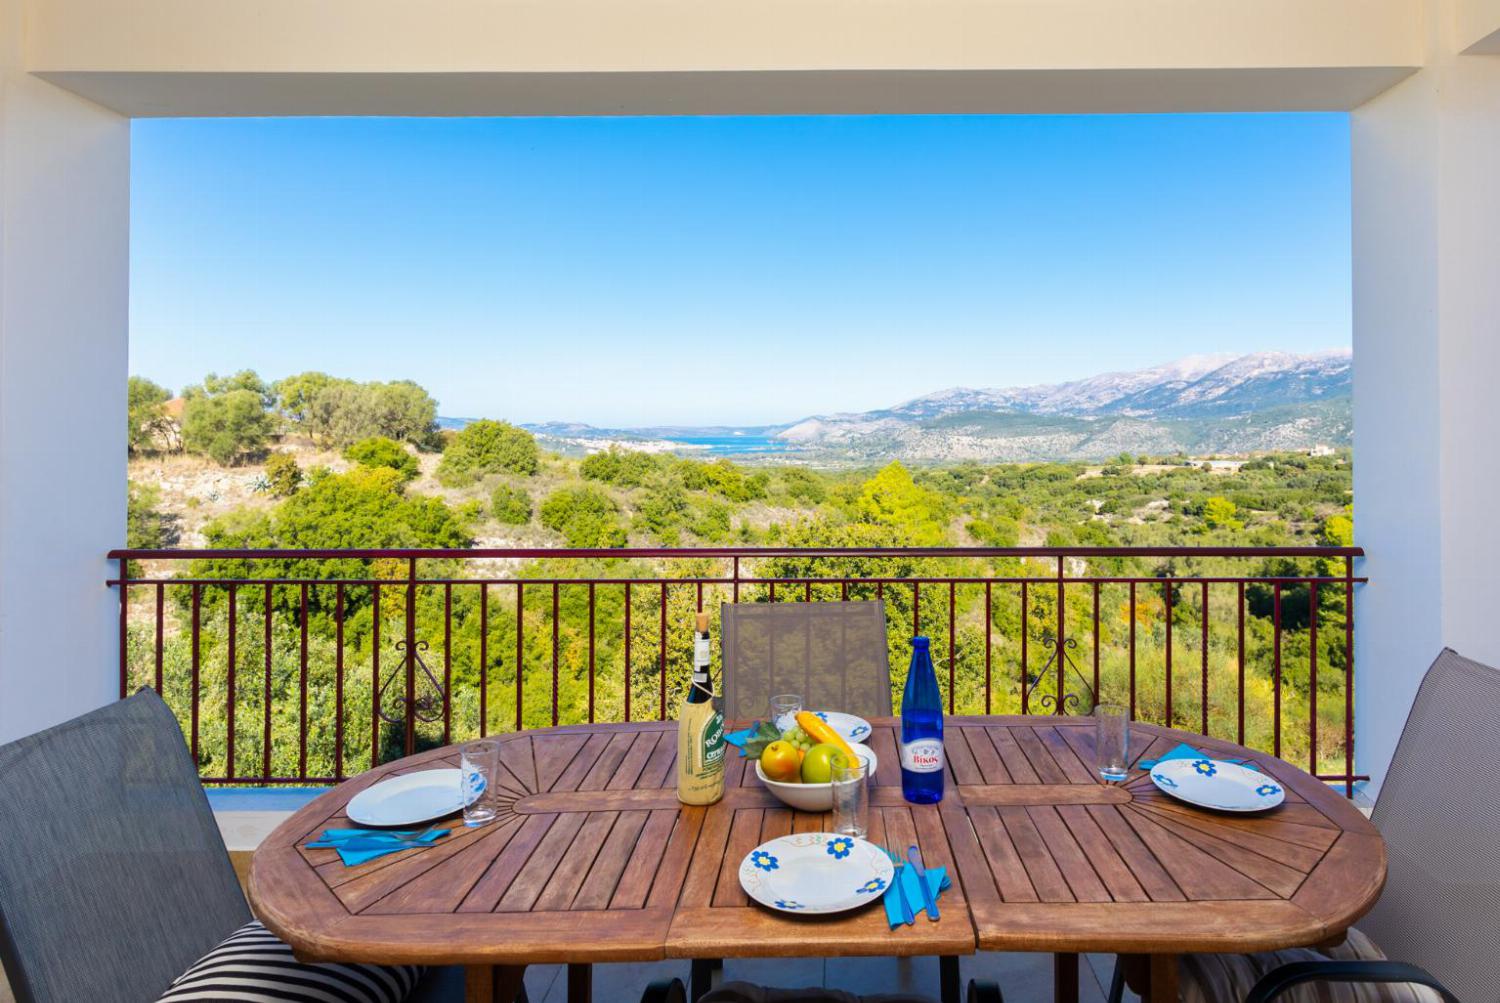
(851, 797)
(478, 763)
(784, 708)
(1112, 741)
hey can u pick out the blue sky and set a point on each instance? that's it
(734, 270)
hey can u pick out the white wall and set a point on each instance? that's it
(64, 264)
(1426, 157)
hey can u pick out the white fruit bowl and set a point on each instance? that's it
(812, 797)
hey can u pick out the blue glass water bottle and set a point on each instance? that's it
(921, 729)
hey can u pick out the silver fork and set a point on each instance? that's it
(907, 914)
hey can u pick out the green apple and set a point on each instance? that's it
(817, 765)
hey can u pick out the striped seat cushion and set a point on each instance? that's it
(1227, 978)
(252, 965)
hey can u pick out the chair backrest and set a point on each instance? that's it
(832, 653)
(1439, 811)
(113, 875)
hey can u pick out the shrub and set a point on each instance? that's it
(710, 520)
(283, 475)
(724, 479)
(624, 467)
(511, 506)
(662, 512)
(380, 451)
(802, 485)
(488, 447)
(585, 517)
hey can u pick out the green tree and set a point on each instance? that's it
(1337, 531)
(891, 498)
(366, 507)
(283, 475)
(341, 412)
(1219, 513)
(146, 413)
(247, 380)
(228, 426)
(295, 394)
(488, 447)
(510, 505)
(585, 517)
(146, 526)
(380, 451)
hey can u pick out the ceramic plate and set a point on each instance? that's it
(816, 872)
(852, 727)
(1210, 783)
(409, 799)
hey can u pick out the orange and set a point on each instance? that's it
(782, 762)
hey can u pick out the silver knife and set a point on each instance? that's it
(914, 857)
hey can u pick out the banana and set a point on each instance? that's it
(818, 729)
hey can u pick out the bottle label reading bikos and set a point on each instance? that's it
(925, 755)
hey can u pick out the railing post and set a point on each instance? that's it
(1348, 676)
(409, 717)
(1062, 656)
(124, 629)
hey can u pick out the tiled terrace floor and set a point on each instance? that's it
(1023, 978)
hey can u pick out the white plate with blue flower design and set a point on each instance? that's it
(815, 873)
(1210, 783)
(851, 727)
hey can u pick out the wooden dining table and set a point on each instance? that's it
(593, 859)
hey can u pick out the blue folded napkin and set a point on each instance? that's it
(359, 846)
(739, 738)
(906, 876)
(1185, 751)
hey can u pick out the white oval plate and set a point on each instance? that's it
(816, 872)
(851, 727)
(409, 799)
(1210, 783)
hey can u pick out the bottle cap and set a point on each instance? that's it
(919, 642)
(703, 623)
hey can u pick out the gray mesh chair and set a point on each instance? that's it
(832, 653)
(113, 875)
(1439, 811)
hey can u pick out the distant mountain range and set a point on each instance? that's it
(1199, 404)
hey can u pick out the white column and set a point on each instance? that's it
(1426, 379)
(64, 313)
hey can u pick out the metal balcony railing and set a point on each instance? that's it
(304, 666)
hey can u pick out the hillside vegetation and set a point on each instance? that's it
(318, 462)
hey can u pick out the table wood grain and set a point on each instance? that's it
(593, 859)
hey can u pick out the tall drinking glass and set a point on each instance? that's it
(784, 708)
(1112, 741)
(478, 763)
(851, 797)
